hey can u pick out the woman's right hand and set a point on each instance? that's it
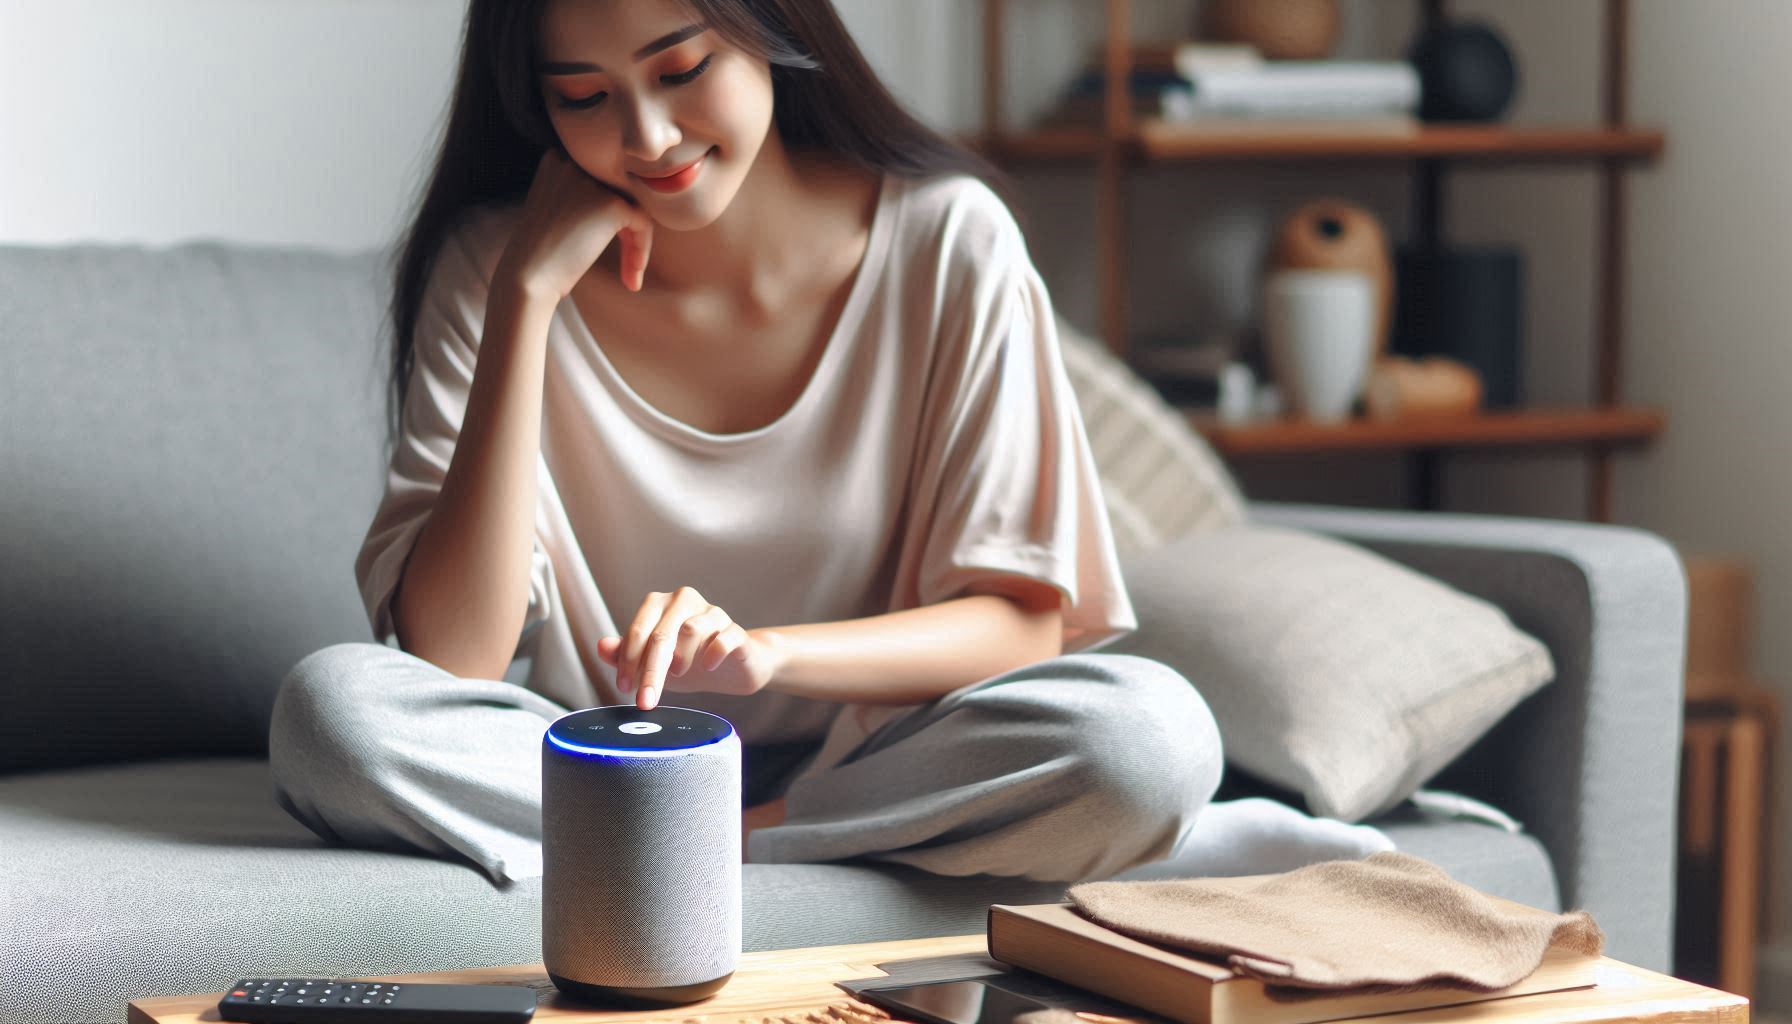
(568, 219)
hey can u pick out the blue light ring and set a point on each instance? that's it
(618, 752)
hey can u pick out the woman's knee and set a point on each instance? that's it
(329, 705)
(1143, 738)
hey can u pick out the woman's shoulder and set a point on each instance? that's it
(961, 215)
(961, 242)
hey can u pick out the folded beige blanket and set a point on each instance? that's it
(1392, 919)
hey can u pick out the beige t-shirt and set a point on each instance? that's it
(937, 442)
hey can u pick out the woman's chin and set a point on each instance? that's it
(690, 211)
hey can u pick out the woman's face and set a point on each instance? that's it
(653, 104)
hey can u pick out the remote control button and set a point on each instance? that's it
(366, 1002)
(386, 1002)
(239, 992)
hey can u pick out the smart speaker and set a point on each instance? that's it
(640, 846)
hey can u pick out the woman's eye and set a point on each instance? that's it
(583, 104)
(595, 99)
(685, 76)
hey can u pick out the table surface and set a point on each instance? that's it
(796, 986)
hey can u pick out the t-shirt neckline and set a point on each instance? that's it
(864, 280)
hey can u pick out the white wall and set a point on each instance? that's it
(299, 123)
(308, 122)
(1710, 311)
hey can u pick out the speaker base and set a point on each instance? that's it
(629, 997)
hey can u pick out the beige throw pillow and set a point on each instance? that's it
(1332, 671)
(1159, 478)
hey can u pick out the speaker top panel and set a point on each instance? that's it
(622, 730)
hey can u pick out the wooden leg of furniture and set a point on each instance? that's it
(1745, 782)
(1698, 789)
(1726, 757)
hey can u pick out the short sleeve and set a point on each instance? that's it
(445, 348)
(1010, 483)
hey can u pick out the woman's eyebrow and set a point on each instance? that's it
(664, 42)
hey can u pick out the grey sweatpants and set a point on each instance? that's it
(1076, 767)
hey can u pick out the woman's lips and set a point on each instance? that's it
(678, 180)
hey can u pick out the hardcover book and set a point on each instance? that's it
(1055, 940)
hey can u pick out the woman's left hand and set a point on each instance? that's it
(680, 641)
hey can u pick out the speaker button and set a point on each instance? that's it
(639, 728)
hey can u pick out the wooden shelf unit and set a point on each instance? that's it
(1527, 428)
(1161, 141)
(1121, 142)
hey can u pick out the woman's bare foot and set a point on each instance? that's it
(764, 815)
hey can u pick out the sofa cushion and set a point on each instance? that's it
(1333, 672)
(194, 446)
(182, 876)
(1159, 479)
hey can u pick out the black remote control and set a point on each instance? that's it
(340, 1001)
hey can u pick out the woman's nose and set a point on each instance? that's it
(648, 131)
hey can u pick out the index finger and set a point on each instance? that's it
(634, 642)
(657, 657)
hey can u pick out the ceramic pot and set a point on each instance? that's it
(1318, 329)
(1466, 72)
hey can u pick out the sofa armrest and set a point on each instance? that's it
(1591, 763)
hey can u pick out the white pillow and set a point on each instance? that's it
(1332, 671)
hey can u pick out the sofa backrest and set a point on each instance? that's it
(193, 443)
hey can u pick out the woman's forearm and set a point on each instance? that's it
(912, 656)
(465, 589)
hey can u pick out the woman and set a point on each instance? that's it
(719, 379)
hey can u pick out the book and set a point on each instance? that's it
(1186, 57)
(1274, 90)
(1141, 81)
(1318, 88)
(1056, 940)
(1273, 85)
(1091, 111)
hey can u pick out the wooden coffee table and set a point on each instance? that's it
(796, 986)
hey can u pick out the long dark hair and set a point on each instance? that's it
(824, 96)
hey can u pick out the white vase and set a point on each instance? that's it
(1319, 330)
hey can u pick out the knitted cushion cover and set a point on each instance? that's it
(1160, 479)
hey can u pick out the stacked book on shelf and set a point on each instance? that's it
(1224, 85)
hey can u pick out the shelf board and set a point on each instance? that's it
(1161, 141)
(1491, 429)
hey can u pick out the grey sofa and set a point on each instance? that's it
(193, 444)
